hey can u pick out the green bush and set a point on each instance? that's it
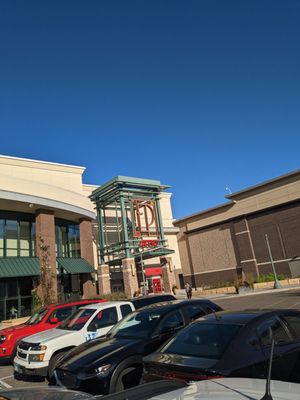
(114, 296)
(268, 278)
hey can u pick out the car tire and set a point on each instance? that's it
(52, 364)
(128, 378)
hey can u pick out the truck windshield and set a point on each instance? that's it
(77, 320)
(37, 317)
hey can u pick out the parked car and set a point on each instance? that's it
(144, 301)
(43, 393)
(45, 318)
(116, 361)
(213, 389)
(38, 354)
(231, 344)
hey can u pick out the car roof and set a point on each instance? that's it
(173, 304)
(74, 303)
(133, 299)
(240, 317)
(107, 304)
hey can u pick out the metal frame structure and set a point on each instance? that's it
(120, 205)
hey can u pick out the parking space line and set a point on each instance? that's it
(6, 385)
(6, 377)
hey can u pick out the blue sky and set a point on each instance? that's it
(202, 95)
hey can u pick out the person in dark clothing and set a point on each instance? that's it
(188, 290)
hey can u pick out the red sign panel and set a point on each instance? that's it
(153, 271)
(148, 243)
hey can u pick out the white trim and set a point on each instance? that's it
(215, 270)
(250, 260)
(41, 201)
(278, 261)
(242, 232)
(41, 162)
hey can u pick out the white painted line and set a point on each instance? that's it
(7, 377)
(5, 385)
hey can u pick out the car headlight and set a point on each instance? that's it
(36, 357)
(2, 339)
(38, 347)
(100, 370)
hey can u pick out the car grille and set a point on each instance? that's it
(21, 355)
(25, 345)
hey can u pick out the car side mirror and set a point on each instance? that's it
(92, 327)
(54, 320)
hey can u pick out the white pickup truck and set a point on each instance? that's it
(38, 354)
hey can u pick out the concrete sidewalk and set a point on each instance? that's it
(247, 292)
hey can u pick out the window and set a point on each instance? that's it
(293, 322)
(61, 313)
(173, 321)
(202, 340)
(11, 238)
(67, 240)
(272, 328)
(125, 310)
(106, 317)
(194, 311)
(17, 236)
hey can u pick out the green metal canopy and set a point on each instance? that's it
(75, 265)
(14, 267)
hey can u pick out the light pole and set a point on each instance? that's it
(276, 281)
(143, 272)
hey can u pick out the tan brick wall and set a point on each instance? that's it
(45, 227)
(168, 274)
(129, 276)
(86, 240)
(104, 279)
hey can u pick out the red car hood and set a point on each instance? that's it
(22, 328)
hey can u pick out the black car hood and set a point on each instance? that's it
(177, 360)
(86, 354)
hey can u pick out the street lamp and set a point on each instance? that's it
(143, 271)
(276, 281)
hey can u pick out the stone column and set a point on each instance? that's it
(104, 279)
(168, 274)
(129, 276)
(86, 251)
(45, 228)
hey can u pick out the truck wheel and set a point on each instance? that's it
(52, 364)
(128, 378)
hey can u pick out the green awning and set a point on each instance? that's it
(75, 265)
(13, 267)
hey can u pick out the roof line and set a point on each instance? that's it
(41, 162)
(267, 182)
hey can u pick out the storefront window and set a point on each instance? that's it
(67, 240)
(17, 238)
(11, 230)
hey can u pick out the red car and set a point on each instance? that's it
(45, 318)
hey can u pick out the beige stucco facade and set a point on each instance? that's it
(41, 188)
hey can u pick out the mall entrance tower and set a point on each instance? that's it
(131, 235)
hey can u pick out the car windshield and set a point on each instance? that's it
(137, 325)
(202, 340)
(77, 321)
(37, 317)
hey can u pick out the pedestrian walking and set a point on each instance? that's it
(188, 290)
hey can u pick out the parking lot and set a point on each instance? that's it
(283, 298)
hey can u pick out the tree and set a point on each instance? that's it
(45, 294)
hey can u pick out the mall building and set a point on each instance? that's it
(240, 238)
(115, 237)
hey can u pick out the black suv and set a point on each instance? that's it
(115, 362)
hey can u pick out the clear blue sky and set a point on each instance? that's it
(199, 94)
